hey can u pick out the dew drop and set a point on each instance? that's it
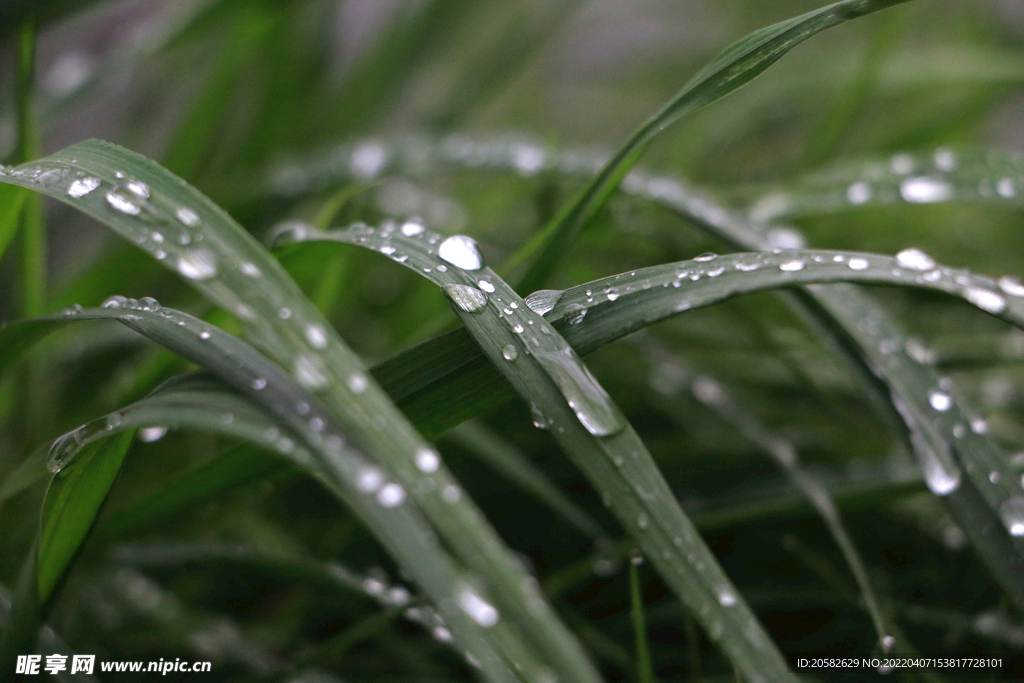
(985, 299)
(138, 188)
(486, 286)
(706, 256)
(939, 400)
(187, 216)
(204, 335)
(915, 259)
(642, 521)
(151, 434)
(316, 336)
(858, 263)
(540, 420)
(543, 300)
(369, 479)
(461, 251)
(451, 493)
(510, 352)
(1011, 511)
(391, 496)
(412, 229)
(116, 301)
(284, 313)
(612, 293)
(83, 186)
(427, 460)
(1011, 285)
(575, 313)
(481, 611)
(858, 193)
(726, 599)
(249, 269)
(357, 382)
(309, 371)
(197, 264)
(792, 266)
(1005, 188)
(259, 384)
(122, 203)
(924, 190)
(468, 299)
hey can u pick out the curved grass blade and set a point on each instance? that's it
(566, 399)
(738, 64)
(186, 232)
(359, 484)
(71, 505)
(944, 175)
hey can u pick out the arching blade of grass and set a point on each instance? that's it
(11, 201)
(361, 485)
(507, 460)
(189, 234)
(567, 400)
(738, 64)
(944, 175)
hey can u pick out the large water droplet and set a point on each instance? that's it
(792, 266)
(357, 382)
(64, 448)
(985, 299)
(543, 300)
(481, 611)
(151, 434)
(1011, 511)
(706, 256)
(122, 203)
(461, 251)
(924, 190)
(116, 301)
(83, 186)
(592, 405)
(915, 259)
(197, 264)
(469, 299)
(857, 263)
(369, 479)
(510, 352)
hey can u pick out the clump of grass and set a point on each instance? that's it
(275, 469)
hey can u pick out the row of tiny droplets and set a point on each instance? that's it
(914, 180)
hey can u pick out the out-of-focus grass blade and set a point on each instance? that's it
(508, 461)
(944, 175)
(566, 399)
(11, 201)
(72, 503)
(738, 64)
(21, 632)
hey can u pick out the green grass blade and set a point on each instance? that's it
(945, 175)
(12, 199)
(567, 399)
(189, 234)
(738, 64)
(644, 669)
(72, 503)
